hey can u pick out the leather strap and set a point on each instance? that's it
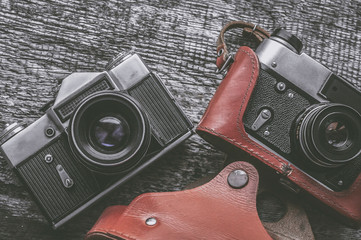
(214, 210)
(258, 33)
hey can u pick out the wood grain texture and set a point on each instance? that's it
(42, 41)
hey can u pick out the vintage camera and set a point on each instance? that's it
(103, 128)
(305, 113)
(292, 114)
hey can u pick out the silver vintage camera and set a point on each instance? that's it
(306, 113)
(103, 128)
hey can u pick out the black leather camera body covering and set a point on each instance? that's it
(305, 113)
(64, 158)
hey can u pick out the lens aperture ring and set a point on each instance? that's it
(327, 134)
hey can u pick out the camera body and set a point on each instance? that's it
(305, 113)
(296, 116)
(103, 128)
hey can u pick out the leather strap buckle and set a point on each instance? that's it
(227, 63)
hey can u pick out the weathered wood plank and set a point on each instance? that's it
(43, 41)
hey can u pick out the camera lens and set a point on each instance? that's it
(336, 134)
(328, 134)
(109, 132)
(10, 131)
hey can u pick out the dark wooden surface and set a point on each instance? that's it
(41, 42)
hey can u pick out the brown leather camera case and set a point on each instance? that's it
(214, 210)
(222, 125)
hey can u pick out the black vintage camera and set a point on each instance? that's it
(103, 128)
(305, 113)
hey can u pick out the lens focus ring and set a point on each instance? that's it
(328, 134)
(109, 132)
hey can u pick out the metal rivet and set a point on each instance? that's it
(291, 95)
(274, 64)
(281, 86)
(340, 183)
(49, 131)
(237, 179)
(48, 158)
(151, 221)
(266, 133)
(220, 52)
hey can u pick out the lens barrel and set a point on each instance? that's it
(329, 135)
(10, 131)
(109, 132)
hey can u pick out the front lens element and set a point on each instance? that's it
(110, 132)
(336, 134)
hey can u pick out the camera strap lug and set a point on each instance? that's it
(252, 30)
(227, 63)
(47, 105)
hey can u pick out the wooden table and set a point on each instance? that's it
(41, 42)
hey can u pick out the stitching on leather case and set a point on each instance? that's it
(239, 128)
(238, 122)
(321, 195)
(237, 143)
(304, 185)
